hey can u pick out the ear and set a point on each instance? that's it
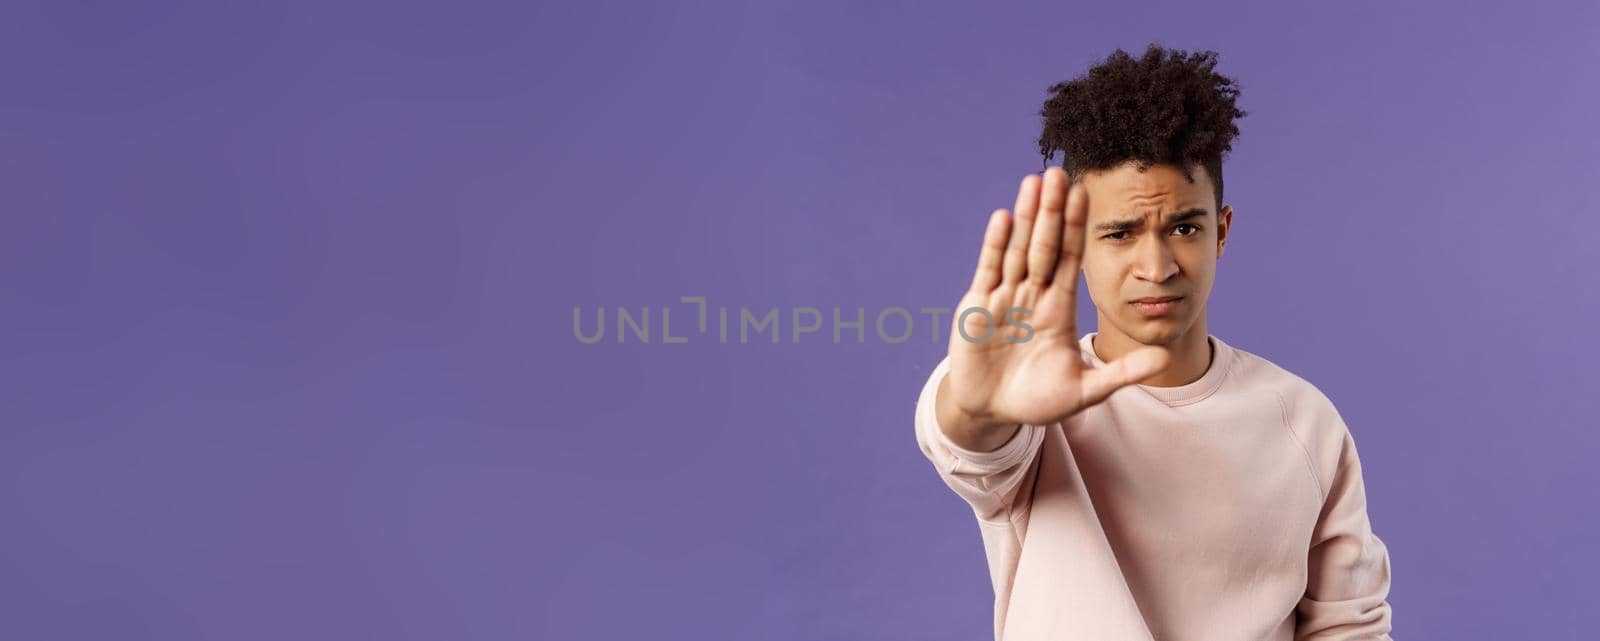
(1224, 220)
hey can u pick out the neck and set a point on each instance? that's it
(1190, 353)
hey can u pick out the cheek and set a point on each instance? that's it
(1103, 282)
(1197, 258)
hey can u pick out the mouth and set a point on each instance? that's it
(1156, 306)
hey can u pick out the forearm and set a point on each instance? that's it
(979, 434)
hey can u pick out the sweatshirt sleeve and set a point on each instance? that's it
(988, 481)
(1347, 584)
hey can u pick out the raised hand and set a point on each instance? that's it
(1003, 374)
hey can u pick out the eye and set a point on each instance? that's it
(1116, 236)
(1196, 229)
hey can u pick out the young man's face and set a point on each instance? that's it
(1134, 249)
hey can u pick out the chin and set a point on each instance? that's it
(1158, 331)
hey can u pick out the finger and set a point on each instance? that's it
(1045, 243)
(1072, 240)
(1133, 367)
(1016, 266)
(994, 247)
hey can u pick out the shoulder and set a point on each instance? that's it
(1263, 374)
(1307, 413)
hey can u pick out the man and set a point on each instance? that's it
(1146, 481)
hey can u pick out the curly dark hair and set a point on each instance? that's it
(1167, 107)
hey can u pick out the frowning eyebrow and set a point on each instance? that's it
(1131, 223)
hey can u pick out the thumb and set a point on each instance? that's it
(1133, 367)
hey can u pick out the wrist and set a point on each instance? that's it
(959, 420)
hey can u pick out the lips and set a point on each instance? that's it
(1157, 306)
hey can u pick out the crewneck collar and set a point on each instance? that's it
(1193, 392)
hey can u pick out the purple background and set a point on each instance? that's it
(286, 316)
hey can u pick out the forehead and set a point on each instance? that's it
(1125, 190)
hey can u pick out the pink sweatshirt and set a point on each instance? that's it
(1230, 508)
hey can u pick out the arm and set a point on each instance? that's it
(988, 480)
(1017, 362)
(1347, 584)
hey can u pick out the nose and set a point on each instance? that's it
(1154, 261)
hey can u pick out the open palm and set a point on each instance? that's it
(1014, 354)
